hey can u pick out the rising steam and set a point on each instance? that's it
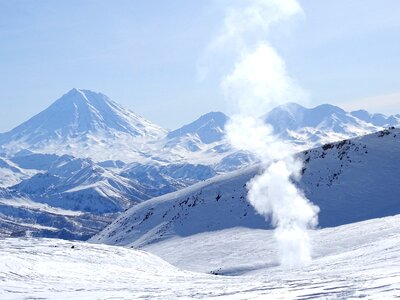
(257, 83)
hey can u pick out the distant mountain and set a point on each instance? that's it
(377, 119)
(11, 173)
(87, 124)
(73, 198)
(325, 123)
(21, 216)
(158, 180)
(81, 122)
(81, 112)
(81, 185)
(350, 181)
(209, 128)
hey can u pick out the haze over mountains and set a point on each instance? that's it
(68, 171)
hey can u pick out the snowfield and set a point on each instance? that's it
(360, 260)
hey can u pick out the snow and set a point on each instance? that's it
(203, 241)
(350, 181)
(82, 123)
(86, 124)
(11, 173)
(360, 260)
(29, 204)
(209, 128)
(86, 153)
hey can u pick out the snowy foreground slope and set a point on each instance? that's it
(360, 260)
(350, 181)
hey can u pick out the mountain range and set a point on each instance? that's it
(87, 124)
(71, 169)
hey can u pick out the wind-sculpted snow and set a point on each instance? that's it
(354, 261)
(350, 181)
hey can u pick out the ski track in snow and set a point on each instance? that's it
(360, 260)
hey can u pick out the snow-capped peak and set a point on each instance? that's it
(80, 111)
(79, 116)
(208, 128)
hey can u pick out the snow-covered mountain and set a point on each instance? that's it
(81, 185)
(350, 181)
(87, 124)
(21, 216)
(325, 123)
(80, 123)
(208, 128)
(11, 173)
(377, 119)
(74, 198)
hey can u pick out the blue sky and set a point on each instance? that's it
(144, 55)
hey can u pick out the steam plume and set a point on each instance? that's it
(257, 83)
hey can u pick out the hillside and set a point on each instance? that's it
(350, 181)
(360, 260)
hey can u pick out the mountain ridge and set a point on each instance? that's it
(220, 202)
(88, 124)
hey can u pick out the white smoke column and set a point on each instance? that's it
(257, 84)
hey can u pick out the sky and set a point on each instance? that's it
(145, 55)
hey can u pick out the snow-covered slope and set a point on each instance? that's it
(80, 187)
(237, 251)
(80, 184)
(29, 160)
(158, 179)
(11, 173)
(354, 261)
(21, 216)
(350, 181)
(208, 128)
